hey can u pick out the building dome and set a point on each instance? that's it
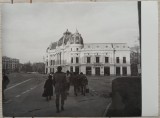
(67, 38)
(76, 38)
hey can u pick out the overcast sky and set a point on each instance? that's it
(28, 29)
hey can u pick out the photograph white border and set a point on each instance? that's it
(150, 79)
(149, 17)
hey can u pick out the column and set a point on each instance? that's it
(128, 70)
(121, 70)
(48, 70)
(112, 70)
(93, 70)
(83, 69)
(102, 70)
(73, 68)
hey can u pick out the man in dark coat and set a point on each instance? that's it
(59, 81)
(48, 88)
(75, 83)
(84, 83)
(5, 82)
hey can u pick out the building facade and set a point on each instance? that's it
(72, 54)
(10, 64)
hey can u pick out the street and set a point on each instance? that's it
(24, 98)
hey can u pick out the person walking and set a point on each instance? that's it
(68, 81)
(48, 88)
(59, 82)
(5, 82)
(84, 83)
(75, 83)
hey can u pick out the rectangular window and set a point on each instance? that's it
(51, 62)
(117, 59)
(88, 59)
(77, 49)
(124, 59)
(77, 60)
(71, 68)
(97, 59)
(71, 59)
(106, 59)
(71, 49)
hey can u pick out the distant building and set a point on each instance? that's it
(135, 60)
(10, 64)
(72, 54)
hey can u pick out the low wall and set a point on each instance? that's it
(126, 97)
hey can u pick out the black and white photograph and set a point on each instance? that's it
(72, 59)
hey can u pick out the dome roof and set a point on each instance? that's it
(68, 37)
(76, 38)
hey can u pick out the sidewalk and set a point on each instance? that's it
(90, 105)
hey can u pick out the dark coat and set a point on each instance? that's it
(5, 82)
(59, 82)
(84, 80)
(75, 80)
(48, 88)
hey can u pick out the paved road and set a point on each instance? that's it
(24, 98)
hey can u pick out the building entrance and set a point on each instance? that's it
(124, 70)
(77, 69)
(88, 70)
(97, 70)
(118, 71)
(107, 71)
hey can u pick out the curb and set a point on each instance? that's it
(106, 110)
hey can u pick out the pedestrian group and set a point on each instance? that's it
(62, 82)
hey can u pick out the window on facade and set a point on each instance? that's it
(97, 59)
(71, 59)
(124, 59)
(77, 60)
(71, 69)
(117, 59)
(88, 59)
(77, 49)
(51, 62)
(71, 49)
(106, 59)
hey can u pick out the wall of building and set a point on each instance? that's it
(66, 54)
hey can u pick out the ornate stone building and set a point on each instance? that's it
(91, 58)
